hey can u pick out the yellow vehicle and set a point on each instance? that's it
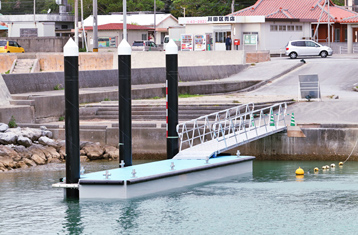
(10, 47)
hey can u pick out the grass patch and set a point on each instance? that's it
(236, 102)
(106, 99)
(58, 87)
(12, 122)
(62, 118)
(186, 95)
(155, 97)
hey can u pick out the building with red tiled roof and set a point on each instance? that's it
(309, 13)
(110, 35)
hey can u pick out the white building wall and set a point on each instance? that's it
(167, 23)
(276, 40)
(43, 29)
(132, 36)
(48, 29)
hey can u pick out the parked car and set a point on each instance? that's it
(10, 47)
(145, 46)
(307, 48)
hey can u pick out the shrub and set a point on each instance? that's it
(12, 122)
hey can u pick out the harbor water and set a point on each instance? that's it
(271, 200)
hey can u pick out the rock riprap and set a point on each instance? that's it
(27, 147)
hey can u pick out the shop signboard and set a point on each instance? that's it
(186, 42)
(199, 43)
(107, 42)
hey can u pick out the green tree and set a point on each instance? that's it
(15, 7)
(105, 7)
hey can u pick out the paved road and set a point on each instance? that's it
(337, 76)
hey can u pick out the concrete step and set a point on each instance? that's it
(22, 102)
(137, 117)
(20, 97)
(23, 65)
(157, 108)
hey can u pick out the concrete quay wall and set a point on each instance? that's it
(47, 81)
(331, 143)
(52, 62)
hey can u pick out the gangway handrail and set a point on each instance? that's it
(202, 126)
(228, 124)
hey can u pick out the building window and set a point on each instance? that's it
(298, 27)
(282, 28)
(290, 28)
(144, 36)
(250, 40)
(273, 27)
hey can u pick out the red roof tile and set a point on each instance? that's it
(293, 9)
(119, 26)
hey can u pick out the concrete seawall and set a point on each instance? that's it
(325, 142)
(47, 81)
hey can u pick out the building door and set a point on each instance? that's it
(220, 38)
(337, 35)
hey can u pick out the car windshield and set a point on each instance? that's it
(166, 40)
(2, 43)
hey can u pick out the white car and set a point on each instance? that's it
(307, 48)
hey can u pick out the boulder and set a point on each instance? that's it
(7, 152)
(7, 162)
(31, 133)
(38, 150)
(8, 138)
(22, 151)
(24, 141)
(3, 127)
(47, 133)
(21, 164)
(93, 151)
(2, 167)
(50, 152)
(47, 141)
(110, 152)
(38, 160)
(29, 162)
(62, 152)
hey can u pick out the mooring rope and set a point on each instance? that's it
(351, 152)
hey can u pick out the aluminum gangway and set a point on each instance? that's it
(210, 135)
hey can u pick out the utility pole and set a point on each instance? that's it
(184, 10)
(76, 22)
(233, 6)
(125, 20)
(84, 40)
(329, 26)
(34, 11)
(155, 22)
(95, 27)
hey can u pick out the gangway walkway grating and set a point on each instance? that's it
(210, 135)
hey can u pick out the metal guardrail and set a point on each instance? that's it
(345, 49)
(223, 130)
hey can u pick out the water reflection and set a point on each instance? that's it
(73, 223)
(128, 216)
